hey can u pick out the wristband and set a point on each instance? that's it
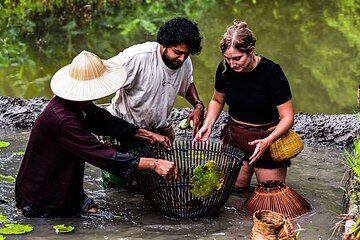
(199, 102)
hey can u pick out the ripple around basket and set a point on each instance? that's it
(174, 199)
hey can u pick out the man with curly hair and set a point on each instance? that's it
(157, 73)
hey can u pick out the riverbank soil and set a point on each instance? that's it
(322, 129)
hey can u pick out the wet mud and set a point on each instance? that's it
(321, 129)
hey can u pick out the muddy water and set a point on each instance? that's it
(316, 173)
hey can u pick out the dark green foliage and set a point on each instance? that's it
(38, 36)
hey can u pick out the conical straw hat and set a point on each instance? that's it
(88, 78)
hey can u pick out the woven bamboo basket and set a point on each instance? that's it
(271, 225)
(287, 231)
(278, 197)
(286, 147)
(267, 225)
(174, 199)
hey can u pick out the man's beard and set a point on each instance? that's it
(169, 62)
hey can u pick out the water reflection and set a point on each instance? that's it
(316, 174)
(316, 43)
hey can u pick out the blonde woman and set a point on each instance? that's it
(259, 96)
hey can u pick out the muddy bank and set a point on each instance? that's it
(322, 129)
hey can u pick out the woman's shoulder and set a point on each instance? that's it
(269, 66)
(268, 62)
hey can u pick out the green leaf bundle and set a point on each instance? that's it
(207, 179)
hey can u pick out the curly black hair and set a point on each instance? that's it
(180, 30)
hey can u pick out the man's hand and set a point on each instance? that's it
(197, 116)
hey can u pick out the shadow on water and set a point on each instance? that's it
(316, 174)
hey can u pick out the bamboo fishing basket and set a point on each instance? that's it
(174, 199)
(278, 197)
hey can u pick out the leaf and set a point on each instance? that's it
(19, 153)
(63, 228)
(2, 237)
(191, 124)
(9, 179)
(3, 218)
(4, 144)
(183, 124)
(13, 228)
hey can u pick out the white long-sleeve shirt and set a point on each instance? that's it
(150, 91)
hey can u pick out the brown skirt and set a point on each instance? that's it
(239, 136)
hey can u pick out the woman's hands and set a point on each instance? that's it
(215, 106)
(286, 121)
(261, 146)
(203, 134)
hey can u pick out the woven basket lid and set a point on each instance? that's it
(278, 197)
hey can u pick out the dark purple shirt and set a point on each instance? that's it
(50, 177)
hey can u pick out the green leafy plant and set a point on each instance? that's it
(207, 178)
(63, 228)
(2, 237)
(353, 160)
(352, 193)
(13, 228)
(354, 233)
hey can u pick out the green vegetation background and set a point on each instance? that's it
(35, 31)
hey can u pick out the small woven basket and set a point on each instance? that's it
(286, 147)
(267, 225)
(174, 199)
(278, 197)
(287, 231)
